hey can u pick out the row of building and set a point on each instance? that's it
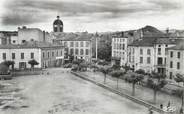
(48, 49)
(164, 55)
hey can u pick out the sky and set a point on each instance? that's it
(92, 15)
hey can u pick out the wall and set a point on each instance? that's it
(118, 51)
(175, 59)
(17, 60)
(135, 58)
(29, 33)
(79, 56)
(51, 61)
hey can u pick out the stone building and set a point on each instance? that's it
(150, 54)
(175, 60)
(77, 45)
(46, 54)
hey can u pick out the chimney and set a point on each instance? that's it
(24, 27)
(44, 36)
(122, 34)
(167, 30)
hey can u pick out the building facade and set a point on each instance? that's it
(175, 61)
(149, 54)
(141, 57)
(119, 49)
(47, 55)
(80, 49)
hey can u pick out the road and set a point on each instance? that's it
(63, 93)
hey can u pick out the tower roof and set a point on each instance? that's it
(58, 21)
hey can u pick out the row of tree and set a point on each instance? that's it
(155, 81)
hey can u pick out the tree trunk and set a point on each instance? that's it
(133, 89)
(104, 78)
(154, 97)
(117, 82)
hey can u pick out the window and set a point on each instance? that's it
(159, 45)
(76, 51)
(87, 44)
(61, 52)
(52, 54)
(4, 56)
(159, 61)
(57, 53)
(13, 55)
(171, 64)
(76, 44)
(23, 41)
(22, 55)
(48, 54)
(178, 65)
(159, 51)
(123, 46)
(43, 55)
(81, 44)
(148, 52)
(32, 55)
(141, 51)
(141, 59)
(71, 51)
(171, 54)
(178, 55)
(170, 75)
(65, 44)
(148, 60)
(81, 51)
(71, 44)
(87, 52)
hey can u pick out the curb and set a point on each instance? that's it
(141, 102)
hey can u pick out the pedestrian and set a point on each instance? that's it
(181, 111)
(161, 106)
(150, 110)
(169, 104)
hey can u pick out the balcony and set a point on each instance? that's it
(160, 65)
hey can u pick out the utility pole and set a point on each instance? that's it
(96, 47)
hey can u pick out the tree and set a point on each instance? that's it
(83, 66)
(157, 76)
(156, 85)
(179, 93)
(134, 78)
(105, 70)
(104, 48)
(179, 78)
(33, 63)
(126, 68)
(9, 63)
(3, 69)
(95, 67)
(103, 63)
(116, 67)
(117, 74)
(140, 71)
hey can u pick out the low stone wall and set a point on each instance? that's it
(6, 77)
(141, 102)
(26, 72)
